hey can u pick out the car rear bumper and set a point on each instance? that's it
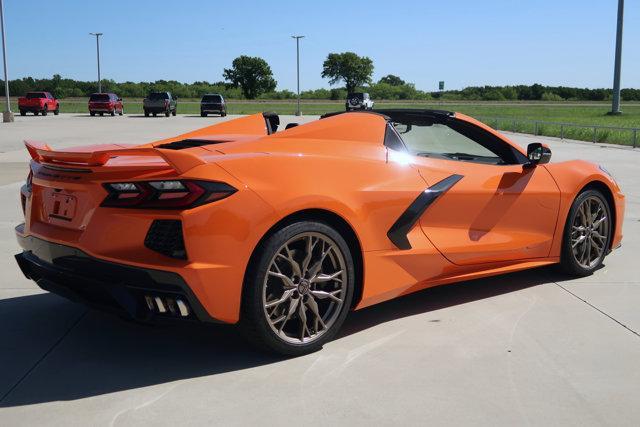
(31, 109)
(140, 293)
(157, 109)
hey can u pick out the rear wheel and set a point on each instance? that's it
(223, 114)
(587, 234)
(174, 112)
(92, 113)
(57, 110)
(298, 289)
(45, 110)
(23, 113)
(35, 113)
(101, 114)
(167, 113)
(146, 113)
(112, 112)
(203, 114)
(155, 114)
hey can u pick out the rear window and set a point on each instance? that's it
(154, 96)
(99, 97)
(212, 98)
(36, 95)
(358, 95)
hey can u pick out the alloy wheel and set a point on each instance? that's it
(304, 289)
(590, 232)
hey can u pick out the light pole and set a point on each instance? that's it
(298, 68)
(615, 105)
(7, 115)
(98, 54)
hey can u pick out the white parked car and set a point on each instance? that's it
(358, 101)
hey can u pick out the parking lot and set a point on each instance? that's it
(533, 347)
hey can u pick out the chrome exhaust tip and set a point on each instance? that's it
(160, 305)
(182, 307)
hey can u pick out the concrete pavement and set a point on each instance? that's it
(527, 348)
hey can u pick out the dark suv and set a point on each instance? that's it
(160, 102)
(213, 103)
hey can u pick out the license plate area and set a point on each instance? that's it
(60, 206)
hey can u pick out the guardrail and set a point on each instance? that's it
(582, 132)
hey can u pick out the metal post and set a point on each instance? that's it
(298, 68)
(615, 105)
(536, 129)
(561, 131)
(595, 134)
(7, 115)
(635, 137)
(98, 55)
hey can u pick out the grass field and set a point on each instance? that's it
(512, 116)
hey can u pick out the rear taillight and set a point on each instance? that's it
(170, 194)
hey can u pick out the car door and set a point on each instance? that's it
(495, 209)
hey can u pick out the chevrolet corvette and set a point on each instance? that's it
(285, 232)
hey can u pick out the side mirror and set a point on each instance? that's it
(538, 154)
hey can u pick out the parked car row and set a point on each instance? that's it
(110, 103)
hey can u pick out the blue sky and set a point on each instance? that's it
(561, 42)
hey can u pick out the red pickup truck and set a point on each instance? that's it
(38, 102)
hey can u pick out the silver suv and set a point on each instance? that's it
(358, 101)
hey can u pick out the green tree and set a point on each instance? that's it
(392, 80)
(251, 74)
(354, 70)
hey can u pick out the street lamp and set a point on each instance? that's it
(98, 54)
(615, 105)
(7, 115)
(298, 68)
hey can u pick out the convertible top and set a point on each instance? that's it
(404, 114)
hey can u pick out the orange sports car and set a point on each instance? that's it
(284, 232)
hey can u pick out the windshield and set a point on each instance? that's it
(357, 95)
(35, 95)
(155, 96)
(99, 97)
(212, 98)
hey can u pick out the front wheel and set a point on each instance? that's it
(587, 234)
(45, 110)
(298, 289)
(56, 111)
(203, 114)
(146, 113)
(112, 112)
(23, 113)
(167, 113)
(174, 112)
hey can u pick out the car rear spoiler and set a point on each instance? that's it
(180, 161)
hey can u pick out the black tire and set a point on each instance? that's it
(254, 324)
(57, 110)
(92, 113)
(101, 114)
(155, 114)
(112, 112)
(35, 113)
(167, 113)
(121, 111)
(23, 113)
(45, 110)
(174, 112)
(223, 114)
(568, 262)
(203, 114)
(146, 113)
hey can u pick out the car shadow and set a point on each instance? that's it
(104, 354)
